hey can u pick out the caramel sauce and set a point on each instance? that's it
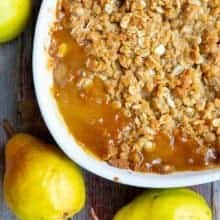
(176, 151)
(92, 121)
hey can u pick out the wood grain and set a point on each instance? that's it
(8, 90)
(18, 104)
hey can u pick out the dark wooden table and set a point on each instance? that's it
(18, 105)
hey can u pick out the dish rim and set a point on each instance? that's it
(42, 78)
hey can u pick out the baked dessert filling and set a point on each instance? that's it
(138, 81)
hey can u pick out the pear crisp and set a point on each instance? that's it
(138, 81)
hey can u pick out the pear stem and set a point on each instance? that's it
(9, 130)
(93, 214)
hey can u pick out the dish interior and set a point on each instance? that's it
(153, 109)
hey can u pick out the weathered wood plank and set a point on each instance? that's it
(107, 197)
(8, 90)
(206, 191)
(216, 200)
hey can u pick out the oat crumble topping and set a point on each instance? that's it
(159, 61)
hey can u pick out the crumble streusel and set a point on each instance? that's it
(152, 68)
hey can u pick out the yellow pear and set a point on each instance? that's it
(14, 15)
(168, 204)
(40, 183)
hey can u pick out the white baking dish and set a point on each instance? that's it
(43, 82)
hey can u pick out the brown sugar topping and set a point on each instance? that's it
(138, 81)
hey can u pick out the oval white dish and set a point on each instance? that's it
(43, 82)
